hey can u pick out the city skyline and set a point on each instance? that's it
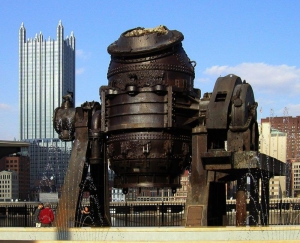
(254, 40)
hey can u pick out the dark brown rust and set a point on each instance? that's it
(148, 104)
(87, 150)
(152, 124)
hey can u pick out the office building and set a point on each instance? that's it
(21, 165)
(48, 164)
(273, 142)
(117, 195)
(46, 73)
(291, 126)
(9, 186)
(293, 184)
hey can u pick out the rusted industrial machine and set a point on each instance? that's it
(152, 124)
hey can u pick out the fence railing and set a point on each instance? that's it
(122, 214)
(147, 214)
(18, 215)
(281, 212)
(137, 214)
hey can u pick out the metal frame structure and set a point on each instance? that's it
(152, 125)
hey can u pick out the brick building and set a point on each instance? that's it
(291, 126)
(21, 165)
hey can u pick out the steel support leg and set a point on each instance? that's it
(241, 201)
(199, 182)
(68, 203)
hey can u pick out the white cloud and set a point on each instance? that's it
(276, 87)
(80, 71)
(5, 107)
(266, 78)
(82, 54)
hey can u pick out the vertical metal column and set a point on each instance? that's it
(241, 201)
(199, 181)
(68, 202)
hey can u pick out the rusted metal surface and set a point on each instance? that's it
(64, 119)
(221, 98)
(82, 125)
(147, 108)
(152, 125)
(199, 179)
(231, 116)
(241, 201)
(194, 216)
(232, 162)
(68, 202)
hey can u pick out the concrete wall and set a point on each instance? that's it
(153, 234)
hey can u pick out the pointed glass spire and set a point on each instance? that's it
(22, 26)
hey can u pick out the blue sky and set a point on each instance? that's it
(256, 40)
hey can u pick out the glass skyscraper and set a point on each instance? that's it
(46, 73)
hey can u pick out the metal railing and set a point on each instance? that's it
(123, 214)
(131, 214)
(138, 214)
(281, 212)
(17, 215)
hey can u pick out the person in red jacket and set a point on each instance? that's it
(46, 216)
